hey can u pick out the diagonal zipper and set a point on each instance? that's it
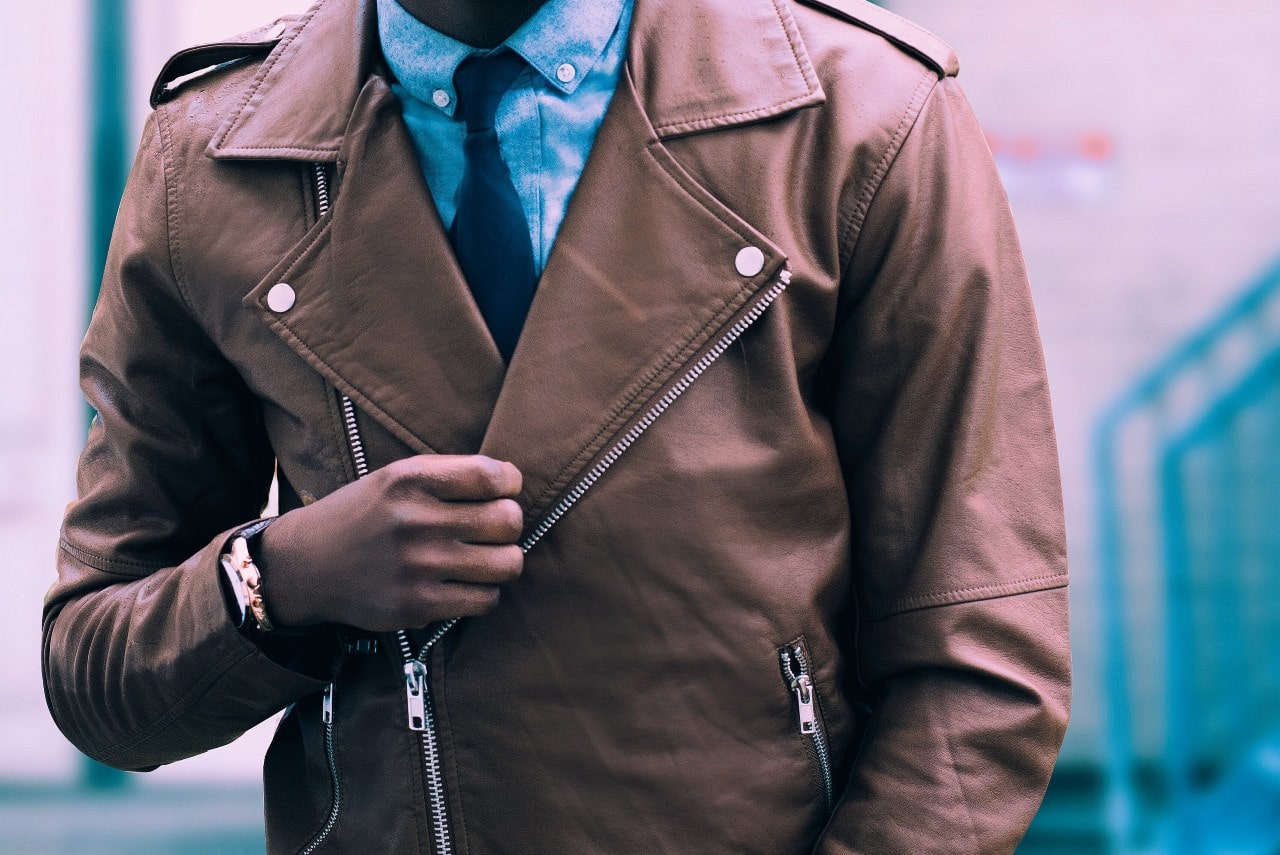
(417, 668)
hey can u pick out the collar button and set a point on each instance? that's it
(566, 73)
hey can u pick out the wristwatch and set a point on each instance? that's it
(245, 580)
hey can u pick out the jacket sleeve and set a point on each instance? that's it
(142, 662)
(939, 399)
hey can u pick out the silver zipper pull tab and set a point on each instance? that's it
(803, 687)
(326, 706)
(415, 686)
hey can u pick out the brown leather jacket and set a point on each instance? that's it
(795, 576)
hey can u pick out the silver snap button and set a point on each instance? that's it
(440, 98)
(750, 261)
(281, 297)
(566, 72)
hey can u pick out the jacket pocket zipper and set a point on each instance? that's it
(799, 678)
(417, 675)
(326, 715)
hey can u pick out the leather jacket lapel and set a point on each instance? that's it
(641, 279)
(381, 308)
(642, 275)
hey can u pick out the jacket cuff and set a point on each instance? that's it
(314, 652)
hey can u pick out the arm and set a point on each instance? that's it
(938, 395)
(143, 664)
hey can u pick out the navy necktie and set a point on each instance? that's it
(490, 234)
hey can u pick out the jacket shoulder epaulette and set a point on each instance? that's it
(195, 62)
(906, 35)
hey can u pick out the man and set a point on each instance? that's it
(723, 517)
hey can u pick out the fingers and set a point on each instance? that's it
(469, 600)
(485, 565)
(433, 602)
(499, 522)
(455, 478)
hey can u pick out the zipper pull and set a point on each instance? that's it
(796, 669)
(803, 687)
(415, 684)
(326, 706)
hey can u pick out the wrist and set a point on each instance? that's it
(244, 581)
(273, 551)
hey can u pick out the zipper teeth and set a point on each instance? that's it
(430, 744)
(405, 650)
(353, 437)
(819, 735)
(699, 368)
(438, 633)
(629, 438)
(435, 780)
(322, 189)
(332, 820)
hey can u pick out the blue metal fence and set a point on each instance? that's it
(1187, 467)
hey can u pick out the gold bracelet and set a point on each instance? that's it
(251, 580)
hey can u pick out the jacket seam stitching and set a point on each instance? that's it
(197, 692)
(687, 188)
(226, 130)
(856, 216)
(788, 25)
(713, 119)
(287, 149)
(710, 120)
(172, 238)
(975, 593)
(104, 564)
(694, 340)
(365, 402)
(611, 426)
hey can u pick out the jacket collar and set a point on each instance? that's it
(749, 64)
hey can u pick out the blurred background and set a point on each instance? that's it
(1138, 141)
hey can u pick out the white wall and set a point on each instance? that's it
(42, 249)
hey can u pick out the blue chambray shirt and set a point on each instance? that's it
(546, 122)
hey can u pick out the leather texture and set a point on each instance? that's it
(870, 468)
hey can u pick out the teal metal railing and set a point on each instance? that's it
(1187, 469)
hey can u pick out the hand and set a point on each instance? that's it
(424, 539)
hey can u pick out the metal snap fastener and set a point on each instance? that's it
(750, 261)
(281, 297)
(440, 98)
(566, 72)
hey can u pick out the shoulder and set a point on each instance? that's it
(201, 86)
(844, 21)
(207, 63)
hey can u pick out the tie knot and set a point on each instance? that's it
(481, 80)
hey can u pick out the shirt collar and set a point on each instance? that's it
(563, 41)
